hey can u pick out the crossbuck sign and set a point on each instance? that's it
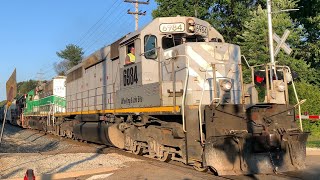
(281, 43)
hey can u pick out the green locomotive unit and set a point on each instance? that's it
(44, 101)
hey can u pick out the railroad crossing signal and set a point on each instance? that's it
(281, 43)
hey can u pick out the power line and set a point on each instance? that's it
(105, 30)
(114, 35)
(96, 33)
(91, 28)
(98, 27)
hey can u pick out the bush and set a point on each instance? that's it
(310, 93)
(311, 106)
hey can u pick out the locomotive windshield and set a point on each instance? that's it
(170, 41)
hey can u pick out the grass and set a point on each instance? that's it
(313, 141)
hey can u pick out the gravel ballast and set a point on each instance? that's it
(15, 165)
(23, 149)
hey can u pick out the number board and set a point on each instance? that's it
(172, 27)
(202, 30)
(131, 75)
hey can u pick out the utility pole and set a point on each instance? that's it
(137, 13)
(40, 76)
(270, 33)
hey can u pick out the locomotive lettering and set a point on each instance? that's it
(172, 27)
(201, 29)
(130, 76)
(131, 100)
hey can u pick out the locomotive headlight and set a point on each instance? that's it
(226, 85)
(191, 22)
(191, 28)
(281, 86)
(191, 25)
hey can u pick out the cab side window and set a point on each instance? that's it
(150, 47)
(130, 57)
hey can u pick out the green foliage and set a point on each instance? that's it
(229, 16)
(25, 86)
(314, 129)
(310, 93)
(254, 41)
(2, 103)
(168, 8)
(308, 16)
(71, 55)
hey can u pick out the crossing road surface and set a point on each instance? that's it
(152, 170)
(144, 170)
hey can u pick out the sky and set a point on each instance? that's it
(31, 32)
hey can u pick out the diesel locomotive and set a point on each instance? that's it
(183, 99)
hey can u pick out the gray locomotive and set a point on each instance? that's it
(183, 98)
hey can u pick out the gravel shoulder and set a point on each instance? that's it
(313, 151)
(15, 165)
(23, 149)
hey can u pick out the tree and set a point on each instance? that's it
(2, 103)
(227, 16)
(168, 8)
(254, 39)
(308, 17)
(61, 67)
(25, 86)
(71, 55)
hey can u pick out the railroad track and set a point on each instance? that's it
(31, 141)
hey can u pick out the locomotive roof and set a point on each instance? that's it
(164, 20)
(76, 66)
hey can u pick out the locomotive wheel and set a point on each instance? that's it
(157, 151)
(69, 134)
(137, 150)
(198, 166)
(63, 134)
(166, 157)
(74, 137)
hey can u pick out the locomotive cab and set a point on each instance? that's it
(152, 72)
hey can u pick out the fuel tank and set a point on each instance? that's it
(100, 132)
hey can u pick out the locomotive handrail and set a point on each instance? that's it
(185, 92)
(200, 105)
(88, 96)
(293, 85)
(246, 61)
(155, 48)
(297, 98)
